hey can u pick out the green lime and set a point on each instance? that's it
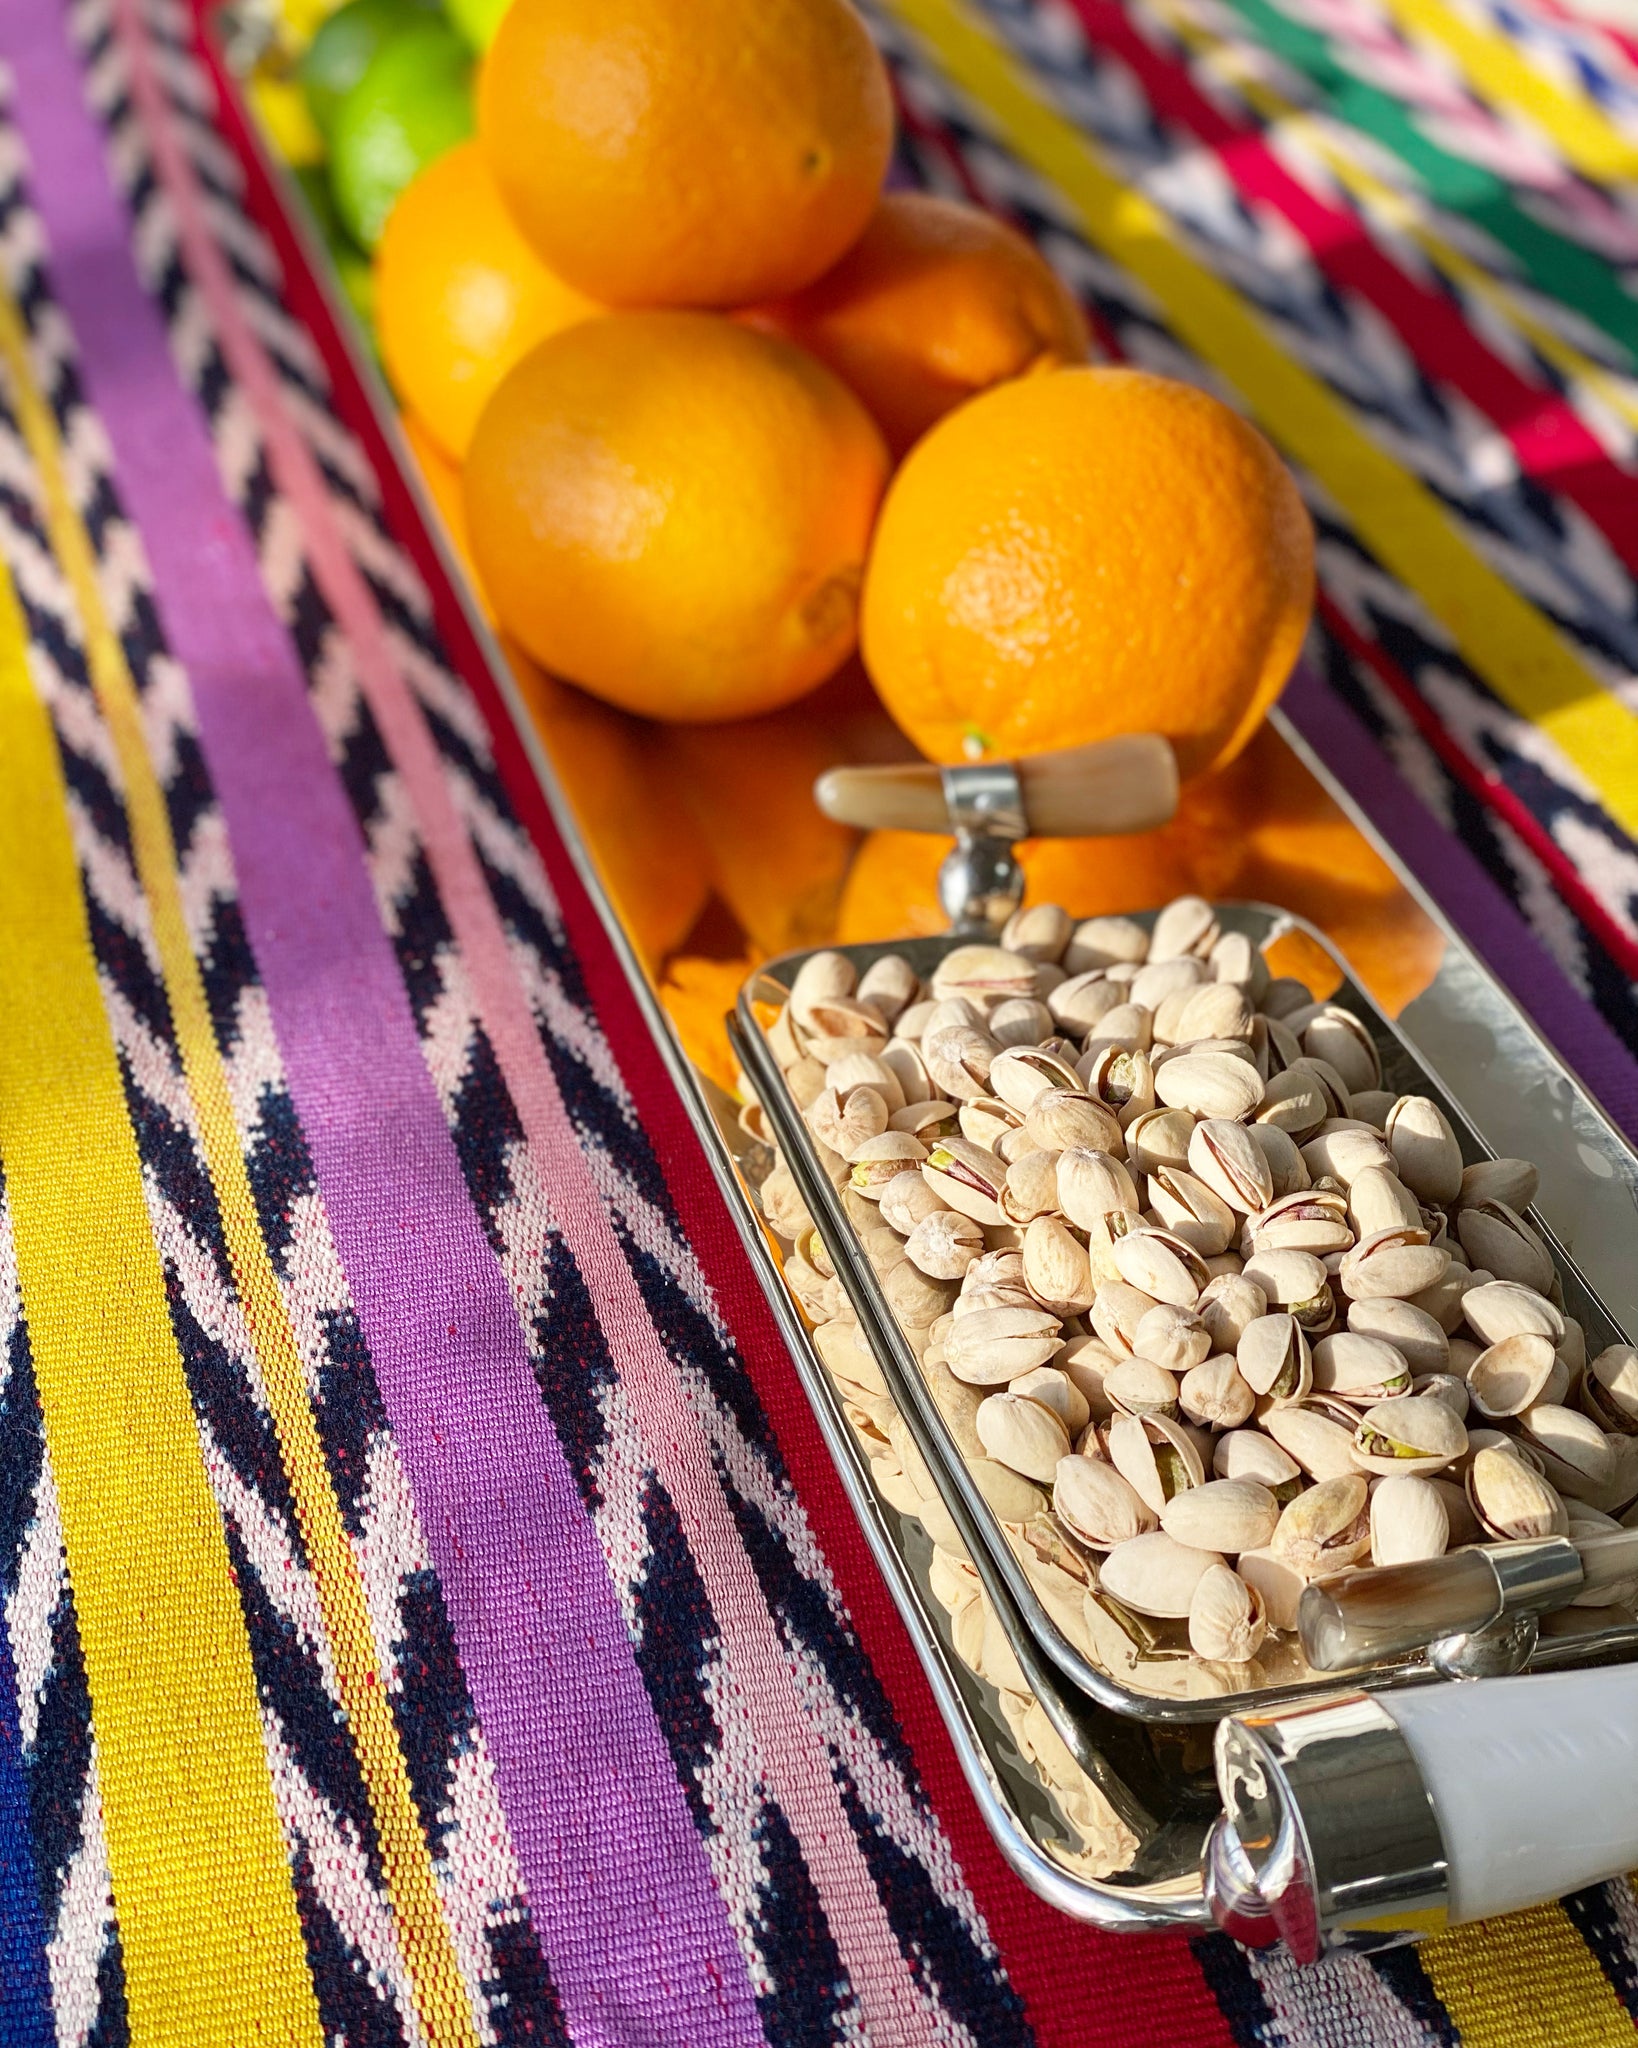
(413, 102)
(478, 20)
(341, 49)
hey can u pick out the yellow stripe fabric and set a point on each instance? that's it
(212, 1945)
(1585, 135)
(441, 1996)
(1528, 1981)
(1519, 653)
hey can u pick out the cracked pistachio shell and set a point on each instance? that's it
(1121, 1077)
(1161, 1264)
(783, 1206)
(958, 1403)
(1116, 1313)
(1057, 1391)
(984, 975)
(1168, 1023)
(1228, 1515)
(1413, 1434)
(1498, 1239)
(926, 1121)
(1228, 1618)
(1296, 1283)
(1294, 1101)
(991, 1346)
(1511, 1376)
(1126, 1029)
(1322, 1446)
(988, 1121)
(1080, 1004)
(1249, 1454)
(1022, 1435)
(1610, 1389)
(1359, 1369)
(1577, 1454)
(912, 1022)
(1068, 1119)
(1379, 1200)
(1448, 1387)
(890, 983)
(1342, 1151)
(1057, 1270)
(1219, 1010)
(1425, 1147)
(1286, 1166)
(1274, 1359)
(1087, 1362)
(1409, 1521)
(1137, 1387)
(1227, 1159)
(1513, 1181)
(959, 1059)
(1157, 1456)
(945, 1244)
(1032, 1187)
(914, 1296)
(1209, 1084)
(836, 1027)
(1325, 1527)
(1159, 1137)
(952, 1013)
(1152, 1574)
(1228, 1306)
(823, 975)
(1398, 1262)
(880, 1160)
(966, 1177)
(1096, 1505)
(1103, 942)
(1021, 1020)
(1040, 931)
(1171, 1337)
(1192, 1211)
(1157, 982)
(868, 1070)
(1093, 1186)
(1021, 1073)
(1214, 1395)
(1503, 1308)
(1443, 1300)
(908, 1200)
(1276, 1582)
(1344, 1042)
(1011, 1496)
(1312, 1220)
(1236, 958)
(1187, 926)
(1511, 1501)
(845, 1122)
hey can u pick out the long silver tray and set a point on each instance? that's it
(1516, 1087)
(1153, 1691)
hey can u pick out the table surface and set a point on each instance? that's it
(429, 1608)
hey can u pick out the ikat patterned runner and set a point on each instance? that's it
(429, 1614)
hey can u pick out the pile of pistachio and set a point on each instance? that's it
(1208, 1311)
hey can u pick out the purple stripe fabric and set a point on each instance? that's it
(636, 1933)
(1449, 872)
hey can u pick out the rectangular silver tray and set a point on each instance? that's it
(1169, 1687)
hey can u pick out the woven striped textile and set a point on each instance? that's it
(430, 1615)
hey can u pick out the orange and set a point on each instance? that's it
(934, 302)
(1083, 553)
(673, 512)
(658, 152)
(460, 297)
(443, 481)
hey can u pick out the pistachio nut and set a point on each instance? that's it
(1156, 1455)
(1160, 980)
(914, 1296)
(1129, 1028)
(1249, 1454)
(1342, 1150)
(1210, 1085)
(1228, 1515)
(988, 1121)
(1236, 958)
(1576, 1455)
(908, 1200)
(1057, 1271)
(1297, 1284)
(1214, 1395)
(1295, 1101)
(1610, 1389)
(1171, 1337)
(1220, 1009)
(1096, 1505)
(870, 1070)
(1011, 1496)
(1079, 1004)
(1122, 1078)
(1508, 1377)
(1325, 1527)
(1409, 1521)
(994, 1345)
(1344, 1042)
(1412, 1434)
(1448, 1387)
(889, 984)
(1504, 1308)
(1312, 1220)
(1032, 1187)
(1228, 1305)
(1190, 1210)
(1116, 1314)
(1039, 931)
(1057, 1391)
(1229, 1161)
(818, 1292)
(1087, 1361)
(926, 1121)
(1443, 1300)
(1274, 1361)
(910, 1023)
(1159, 1137)
(1278, 1047)
(1513, 1181)
(1379, 1200)
(836, 1027)
(1066, 1119)
(1511, 1501)
(1161, 1264)
(1359, 1370)
(1102, 942)
(966, 1177)
(1187, 925)
(1022, 1435)
(1425, 1147)
(843, 1122)
(879, 1161)
(1092, 1187)
(1152, 1574)
(1288, 1171)
(1227, 1618)
(1498, 1239)
(782, 1204)
(958, 1404)
(1321, 1445)
(1138, 1387)
(1398, 1262)
(958, 1060)
(1022, 1072)
(1276, 1582)
(944, 1244)
(983, 975)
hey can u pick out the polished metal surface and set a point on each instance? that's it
(1333, 1822)
(981, 882)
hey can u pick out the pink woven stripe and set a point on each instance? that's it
(761, 1671)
